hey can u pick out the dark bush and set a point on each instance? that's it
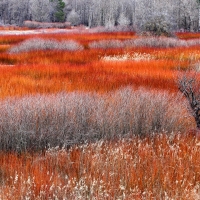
(156, 27)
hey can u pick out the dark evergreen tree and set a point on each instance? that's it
(59, 14)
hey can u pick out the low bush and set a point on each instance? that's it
(106, 44)
(158, 26)
(112, 29)
(48, 44)
(35, 24)
(158, 42)
(38, 122)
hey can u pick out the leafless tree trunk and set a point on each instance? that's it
(189, 86)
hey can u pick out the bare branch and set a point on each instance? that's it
(188, 86)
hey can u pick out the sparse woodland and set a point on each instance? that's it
(109, 112)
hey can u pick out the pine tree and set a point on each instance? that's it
(59, 14)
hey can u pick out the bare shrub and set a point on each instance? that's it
(70, 45)
(35, 24)
(42, 44)
(188, 85)
(39, 122)
(158, 42)
(106, 44)
(106, 29)
(161, 42)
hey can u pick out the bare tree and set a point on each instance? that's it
(40, 10)
(189, 86)
(181, 14)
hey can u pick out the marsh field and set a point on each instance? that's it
(97, 116)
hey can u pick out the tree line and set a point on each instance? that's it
(179, 14)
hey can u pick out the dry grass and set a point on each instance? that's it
(156, 166)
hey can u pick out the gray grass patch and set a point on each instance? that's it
(48, 44)
(39, 122)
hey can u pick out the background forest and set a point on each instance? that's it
(178, 14)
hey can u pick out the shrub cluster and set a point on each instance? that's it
(158, 26)
(111, 29)
(71, 45)
(39, 122)
(158, 42)
(35, 24)
(45, 44)
(106, 44)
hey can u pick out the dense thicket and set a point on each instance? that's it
(179, 14)
(38, 122)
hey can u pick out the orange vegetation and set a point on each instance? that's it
(162, 167)
(157, 167)
(188, 35)
(52, 71)
(97, 76)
